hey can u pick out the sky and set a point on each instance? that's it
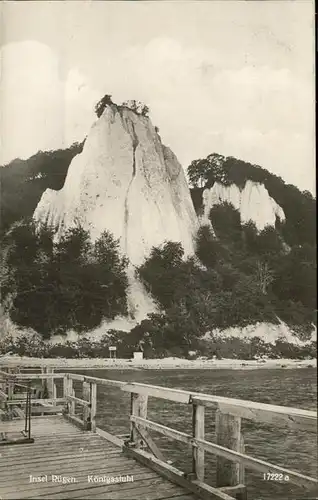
(231, 77)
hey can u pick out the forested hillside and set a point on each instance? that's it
(24, 181)
(239, 276)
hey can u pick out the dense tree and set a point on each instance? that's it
(24, 181)
(226, 222)
(297, 279)
(71, 284)
(160, 273)
(207, 247)
(207, 171)
(101, 105)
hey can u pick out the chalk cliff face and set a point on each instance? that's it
(125, 181)
(253, 202)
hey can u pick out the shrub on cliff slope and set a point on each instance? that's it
(244, 281)
(194, 299)
(53, 287)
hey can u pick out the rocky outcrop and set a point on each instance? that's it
(253, 202)
(127, 182)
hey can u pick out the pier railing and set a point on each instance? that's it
(229, 441)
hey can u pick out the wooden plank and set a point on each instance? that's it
(62, 457)
(279, 416)
(79, 482)
(109, 437)
(241, 449)
(228, 435)
(176, 395)
(161, 490)
(76, 452)
(162, 429)
(56, 438)
(65, 386)
(198, 430)
(180, 497)
(34, 376)
(138, 407)
(78, 400)
(71, 392)
(145, 482)
(46, 409)
(89, 466)
(93, 405)
(81, 463)
(75, 420)
(145, 436)
(239, 489)
(36, 401)
(245, 460)
(66, 437)
(176, 476)
(79, 469)
(97, 380)
(39, 430)
(86, 391)
(68, 446)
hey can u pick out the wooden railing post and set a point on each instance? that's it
(228, 434)
(54, 395)
(71, 392)
(10, 385)
(65, 392)
(86, 410)
(50, 382)
(139, 403)
(198, 428)
(93, 405)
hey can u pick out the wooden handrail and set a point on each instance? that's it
(282, 415)
(246, 460)
(78, 400)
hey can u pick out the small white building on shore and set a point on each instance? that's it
(138, 355)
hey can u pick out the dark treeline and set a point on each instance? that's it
(24, 181)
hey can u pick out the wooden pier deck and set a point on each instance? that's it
(60, 449)
(65, 442)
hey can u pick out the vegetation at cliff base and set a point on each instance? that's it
(240, 277)
(52, 287)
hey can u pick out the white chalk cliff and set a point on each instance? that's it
(253, 202)
(127, 182)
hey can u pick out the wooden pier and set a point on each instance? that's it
(68, 444)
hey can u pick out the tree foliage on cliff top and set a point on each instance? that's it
(24, 181)
(299, 207)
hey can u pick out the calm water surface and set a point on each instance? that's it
(290, 449)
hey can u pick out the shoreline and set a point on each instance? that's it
(156, 364)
